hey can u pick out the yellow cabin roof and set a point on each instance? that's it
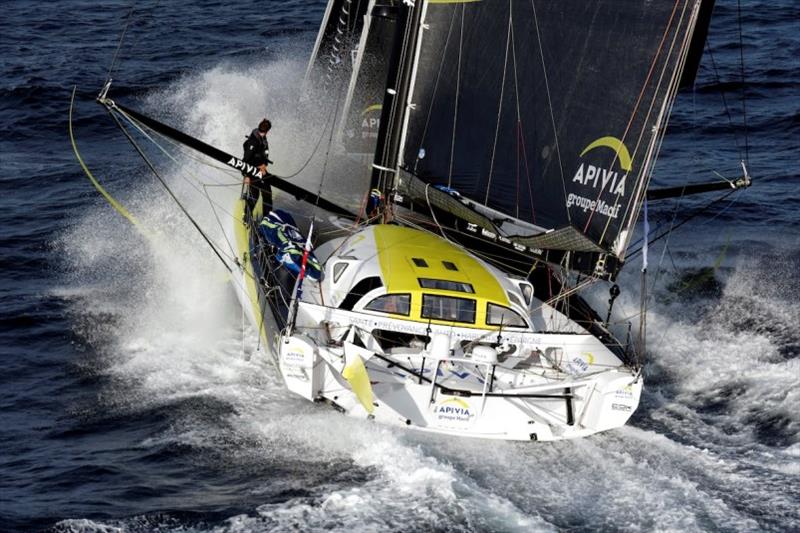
(398, 247)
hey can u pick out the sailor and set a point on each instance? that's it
(256, 154)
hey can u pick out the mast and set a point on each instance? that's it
(395, 103)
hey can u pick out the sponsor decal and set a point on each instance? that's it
(453, 411)
(474, 228)
(598, 206)
(625, 397)
(238, 164)
(580, 364)
(596, 180)
(488, 234)
(371, 121)
(293, 355)
(625, 393)
(577, 366)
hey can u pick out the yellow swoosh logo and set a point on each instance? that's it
(373, 107)
(616, 145)
(457, 401)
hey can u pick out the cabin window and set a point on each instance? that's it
(448, 308)
(396, 304)
(420, 262)
(450, 266)
(497, 315)
(357, 292)
(445, 285)
(338, 270)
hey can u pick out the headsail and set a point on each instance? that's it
(549, 113)
(364, 102)
(349, 65)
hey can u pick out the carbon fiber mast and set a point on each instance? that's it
(395, 103)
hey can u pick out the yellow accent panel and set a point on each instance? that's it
(243, 250)
(356, 374)
(616, 145)
(396, 246)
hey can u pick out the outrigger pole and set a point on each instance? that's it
(686, 190)
(223, 157)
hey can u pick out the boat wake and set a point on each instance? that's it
(222, 446)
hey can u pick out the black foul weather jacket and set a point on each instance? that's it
(256, 149)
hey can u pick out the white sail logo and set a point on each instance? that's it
(604, 180)
(371, 121)
(593, 176)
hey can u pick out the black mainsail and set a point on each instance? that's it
(536, 124)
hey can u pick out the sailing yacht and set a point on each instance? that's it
(507, 149)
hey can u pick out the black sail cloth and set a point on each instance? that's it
(550, 112)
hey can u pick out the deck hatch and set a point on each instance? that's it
(445, 285)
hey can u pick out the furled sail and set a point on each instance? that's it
(547, 113)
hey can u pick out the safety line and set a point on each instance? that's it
(169, 191)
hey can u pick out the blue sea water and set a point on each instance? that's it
(133, 398)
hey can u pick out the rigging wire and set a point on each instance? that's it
(698, 212)
(424, 136)
(723, 97)
(141, 128)
(458, 93)
(744, 87)
(169, 190)
(550, 108)
(219, 223)
(499, 109)
(653, 146)
(115, 57)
